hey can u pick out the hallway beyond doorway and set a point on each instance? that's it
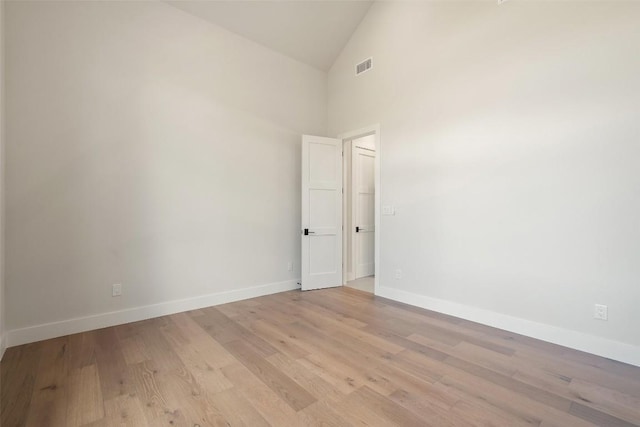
(363, 284)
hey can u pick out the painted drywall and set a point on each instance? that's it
(149, 148)
(2, 303)
(313, 32)
(509, 148)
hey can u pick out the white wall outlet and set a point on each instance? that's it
(116, 290)
(601, 312)
(398, 274)
(388, 210)
(290, 266)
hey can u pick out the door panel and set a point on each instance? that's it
(363, 199)
(321, 212)
(322, 167)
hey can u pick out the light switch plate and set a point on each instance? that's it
(388, 210)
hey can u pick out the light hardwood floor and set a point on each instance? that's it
(363, 284)
(336, 357)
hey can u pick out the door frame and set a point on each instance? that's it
(346, 137)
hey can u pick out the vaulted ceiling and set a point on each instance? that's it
(313, 32)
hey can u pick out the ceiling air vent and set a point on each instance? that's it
(364, 66)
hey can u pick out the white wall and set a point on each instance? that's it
(510, 147)
(149, 148)
(2, 304)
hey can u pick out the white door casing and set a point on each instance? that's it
(321, 233)
(363, 210)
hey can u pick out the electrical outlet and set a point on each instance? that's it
(398, 274)
(290, 266)
(116, 290)
(388, 210)
(601, 312)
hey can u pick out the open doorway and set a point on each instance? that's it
(360, 208)
(335, 229)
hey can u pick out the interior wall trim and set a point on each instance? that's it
(599, 346)
(88, 323)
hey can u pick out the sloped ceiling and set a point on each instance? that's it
(313, 32)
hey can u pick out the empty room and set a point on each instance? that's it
(320, 213)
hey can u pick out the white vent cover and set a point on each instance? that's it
(364, 66)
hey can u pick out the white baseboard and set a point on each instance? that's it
(103, 320)
(615, 350)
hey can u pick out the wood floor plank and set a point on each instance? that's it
(478, 413)
(596, 417)
(560, 366)
(537, 394)
(176, 393)
(320, 414)
(495, 361)
(224, 330)
(82, 349)
(406, 343)
(154, 403)
(216, 355)
(19, 370)
(122, 411)
(427, 369)
(520, 409)
(85, 403)
(115, 377)
(293, 299)
(337, 357)
(273, 409)
(134, 350)
(450, 333)
(237, 410)
(384, 408)
(325, 320)
(314, 384)
(50, 393)
(371, 319)
(339, 376)
(288, 390)
(334, 357)
(279, 340)
(433, 413)
(606, 400)
(196, 362)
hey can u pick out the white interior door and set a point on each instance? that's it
(321, 212)
(363, 210)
